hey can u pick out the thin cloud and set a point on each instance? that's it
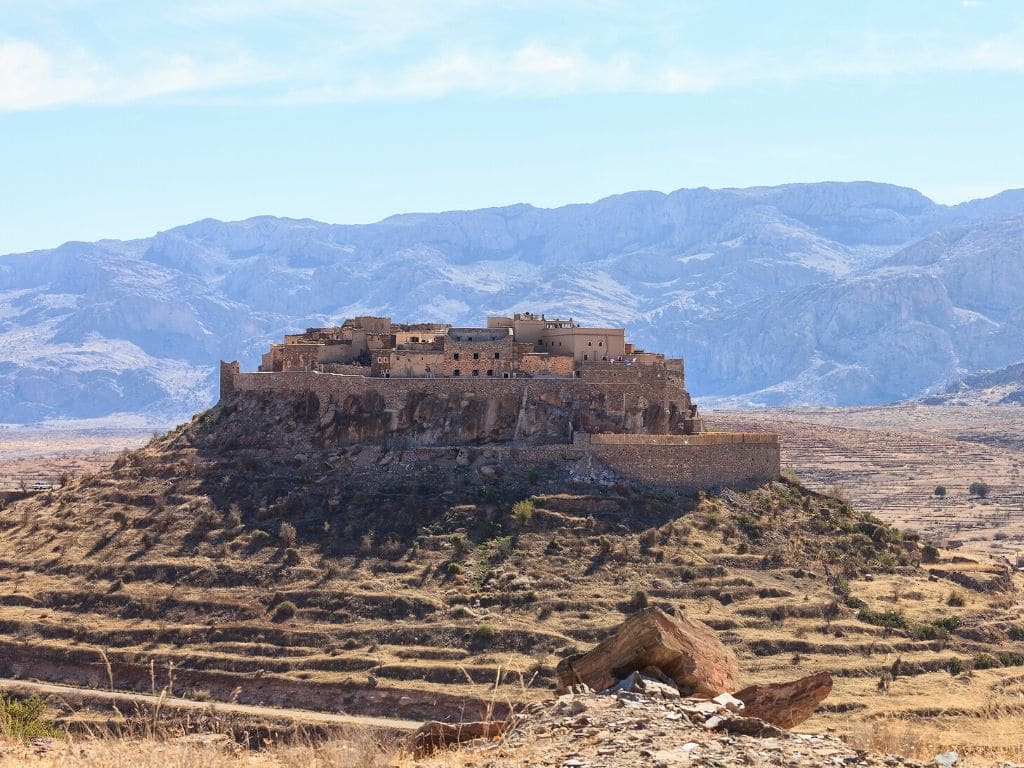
(35, 77)
(32, 78)
(531, 70)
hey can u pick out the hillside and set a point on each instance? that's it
(790, 294)
(232, 560)
(1004, 386)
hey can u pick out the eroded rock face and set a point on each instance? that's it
(786, 704)
(466, 418)
(684, 649)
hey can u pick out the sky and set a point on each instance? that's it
(120, 119)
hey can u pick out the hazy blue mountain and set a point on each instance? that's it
(832, 292)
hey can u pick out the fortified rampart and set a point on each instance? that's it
(734, 459)
(614, 428)
(530, 385)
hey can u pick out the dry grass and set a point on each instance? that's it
(355, 750)
(889, 460)
(158, 563)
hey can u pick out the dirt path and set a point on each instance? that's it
(117, 697)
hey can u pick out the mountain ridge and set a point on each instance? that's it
(757, 288)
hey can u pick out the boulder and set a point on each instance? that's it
(685, 650)
(434, 735)
(785, 704)
(648, 686)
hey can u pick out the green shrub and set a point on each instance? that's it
(1010, 659)
(930, 553)
(259, 537)
(984, 661)
(639, 600)
(485, 633)
(459, 543)
(979, 489)
(956, 599)
(750, 527)
(284, 611)
(940, 491)
(1015, 632)
(522, 511)
(955, 666)
(401, 606)
(25, 719)
(949, 623)
(454, 568)
(292, 557)
(890, 619)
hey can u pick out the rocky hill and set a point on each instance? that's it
(1004, 386)
(831, 293)
(234, 559)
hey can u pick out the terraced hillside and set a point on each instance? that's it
(233, 560)
(889, 461)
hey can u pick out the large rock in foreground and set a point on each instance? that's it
(684, 649)
(786, 704)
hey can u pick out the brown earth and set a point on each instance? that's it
(889, 460)
(227, 561)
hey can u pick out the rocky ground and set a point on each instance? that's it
(628, 729)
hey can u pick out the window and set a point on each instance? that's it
(590, 343)
(600, 343)
(490, 371)
(476, 355)
(414, 339)
(497, 355)
(456, 372)
(586, 357)
(476, 372)
(455, 356)
(505, 375)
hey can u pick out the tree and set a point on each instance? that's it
(979, 489)
(940, 491)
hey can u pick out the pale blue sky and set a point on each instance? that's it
(118, 119)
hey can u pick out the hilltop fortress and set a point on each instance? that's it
(528, 388)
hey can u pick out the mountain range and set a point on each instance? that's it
(827, 293)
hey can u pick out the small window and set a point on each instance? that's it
(476, 372)
(600, 343)
(586, 357)
(414, 339)
(505, 375)
(455, 356)
(456, 372)
(497, 355)
(490, 371)
(590, 343)
(476, 355)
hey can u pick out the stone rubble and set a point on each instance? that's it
(626, 729)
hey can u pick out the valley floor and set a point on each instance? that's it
(890, 459)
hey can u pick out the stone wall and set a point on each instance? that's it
(228, 371)
(733, 459)
(617, 429)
